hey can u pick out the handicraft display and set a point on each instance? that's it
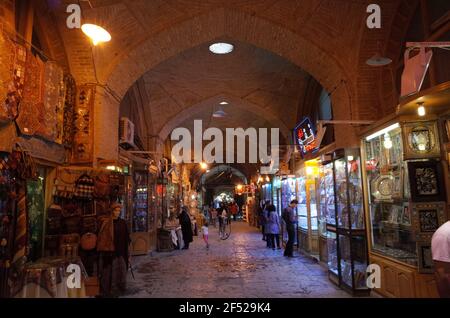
(83, 130)
(427, 218)
(53, 101)
(426, 181)
(421, 140)
(31, 116)
(425, 258)
(12, 71)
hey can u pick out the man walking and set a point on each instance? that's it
(290, 219)
(440, 250)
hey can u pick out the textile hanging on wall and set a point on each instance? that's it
(12, 68)
(20, 241)
(82, 151)
(31, 109)
(69, 106)
(53, 102)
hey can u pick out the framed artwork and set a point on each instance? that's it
(406, 215)
(447, 128)
(421, 140)
(427, 217)
(425, 259)
(426, 181)
(397, 191)
(395, 153)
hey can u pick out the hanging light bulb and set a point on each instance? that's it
(96, 33)
(387, 143)
(421, 110)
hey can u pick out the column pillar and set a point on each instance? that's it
(106, 127)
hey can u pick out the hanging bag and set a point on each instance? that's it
(84, 187)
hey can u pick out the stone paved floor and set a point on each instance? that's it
(239, 267)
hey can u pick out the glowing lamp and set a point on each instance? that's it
(96, 33)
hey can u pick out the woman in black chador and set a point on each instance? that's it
(186, 227)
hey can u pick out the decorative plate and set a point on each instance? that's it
(383, 187)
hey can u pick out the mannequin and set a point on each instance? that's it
(114, 242)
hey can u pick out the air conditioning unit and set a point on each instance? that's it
(126, 132)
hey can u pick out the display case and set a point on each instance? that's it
(289, 193)
(140, 202)
(346, 237)
(406, 196)
(325, 202)
(307, 212)
(276, 193)
(267, 192)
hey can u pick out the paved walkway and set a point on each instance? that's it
(239, 267)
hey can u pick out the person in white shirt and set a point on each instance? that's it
(440, 250)
(205, 233)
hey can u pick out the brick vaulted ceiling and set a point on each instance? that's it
(280, 42)
(262, 89)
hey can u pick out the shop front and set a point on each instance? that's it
(407, 181)
(144, 206)
(308, 221)
(342, 214)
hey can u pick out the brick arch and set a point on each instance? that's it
(224, 24)
(205, 105)
(235, 25)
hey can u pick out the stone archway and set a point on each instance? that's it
(205, 105)
(223, 24)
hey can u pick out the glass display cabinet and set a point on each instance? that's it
(276, 196)
(140, 204)
(346, 237)
(288, 193)
(307, 213)
(406, 201)
(267, 192)
(140, 236)
(325, 203)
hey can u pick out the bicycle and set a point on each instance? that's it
(224, 229)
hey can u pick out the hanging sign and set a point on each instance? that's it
(305, 137)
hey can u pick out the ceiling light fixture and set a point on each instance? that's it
(221, 48)
(383, 131)
(224, 103)
(219, 113)
(378, 59)
(96, 33)
(421, 109)
(387, 143)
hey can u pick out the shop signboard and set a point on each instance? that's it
(305, 137)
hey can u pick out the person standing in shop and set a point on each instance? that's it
(273, 227)
(113, 244)
(440, 250)
(186, 227)
(290, 219)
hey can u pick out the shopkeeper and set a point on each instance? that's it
(113, 245)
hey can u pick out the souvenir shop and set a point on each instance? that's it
(342, 214)
(144, 201)
(331, 214)
(407, 159)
